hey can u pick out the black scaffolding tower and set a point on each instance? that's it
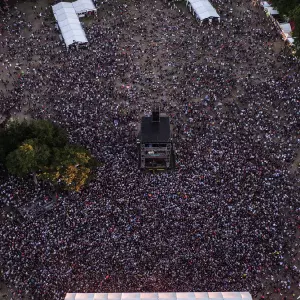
(155, 144)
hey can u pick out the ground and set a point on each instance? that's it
(31, 16)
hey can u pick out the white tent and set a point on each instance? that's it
(83, 6)
(69, 24)
(271, 11)
(161, 296)
(203, 9)
(265, 4)
(287, 32)
(285, 27)
(62, 8)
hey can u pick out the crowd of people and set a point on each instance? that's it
(226, 219)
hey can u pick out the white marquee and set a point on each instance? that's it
(266, 4)
(69, 23)
(271, 11)
(160, 296)
(203, 9)
(83, 6)
(286, 27)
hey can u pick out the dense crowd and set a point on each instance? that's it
(226, 219)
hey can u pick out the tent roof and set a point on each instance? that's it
(266, 4)
(286, 27)
(79, 6)
(203, 9)
(161, 296)
(69, 23)
(271, 10)
(61, 5)
(195, 1)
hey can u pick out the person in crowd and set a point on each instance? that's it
(227, 219)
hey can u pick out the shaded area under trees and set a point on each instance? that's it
(41, 149)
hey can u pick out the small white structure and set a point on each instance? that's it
(270, 10)
(67, 16)
(265, 4)
(285, 27)
(84, 6)
(69, 24)
(202, 9)
(160, 296)
(287, 32)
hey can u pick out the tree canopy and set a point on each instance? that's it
(285, 7)
(295, 15)
(41, 148)
(41, 131)
(290, 8)
(69, 167)
(29, 157)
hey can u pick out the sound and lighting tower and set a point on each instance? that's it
(155, 144)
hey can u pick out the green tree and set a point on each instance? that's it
(70, 168)
(40, 148)
(12, 137)
(295, 14)
(291, 8)
(285, 7)
(29, 157)
(42, 131)
(49, 134)
(21, 161)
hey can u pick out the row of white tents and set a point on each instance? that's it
(67, 17)
(202, 9)
(285, 28)
(161, 296)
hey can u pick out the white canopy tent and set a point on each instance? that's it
(160, 296)
(271, 11)
(69, 23)
(266, 4)
(287, 32)
(285, 27)
(84, 6)
(62, 8)
(203, 9)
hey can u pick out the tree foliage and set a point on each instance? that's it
(41, 148)
(30, 156)
(291, 8)
(285, 7)
(41, 131)
(21, 161)
(70, 168)
(295, 15)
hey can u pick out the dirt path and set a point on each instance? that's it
(4, 291)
